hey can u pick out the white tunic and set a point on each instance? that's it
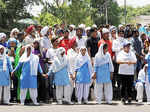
(126, 69)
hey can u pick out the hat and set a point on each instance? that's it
(73, 26)
(126, 43)
(105, 30)
(30, 28)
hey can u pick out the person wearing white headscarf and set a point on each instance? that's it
(45, 41)
(72, 32)
(3, 39)
(142, 82)
(60, 69)
(103, 70)
(82, 75)
(14, 32)
(28, 80)
(5, 70)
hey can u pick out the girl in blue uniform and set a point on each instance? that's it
(5, 70)
(28, 80)
(60, 69)
(82, 75)
(103, 70)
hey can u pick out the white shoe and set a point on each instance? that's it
(109, 102)
(99, 103)
(79, 103)
(140, 101)
(148, 103)
(86, 102)
(21, 104)
(59, 102)
(36, 104)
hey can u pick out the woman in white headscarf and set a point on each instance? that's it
(5, 70)
(28, 80)
(143, 81)
(45, 41)
(103, 74)
(60, 69)
(14, 32)
(83, 71)
(3, 39)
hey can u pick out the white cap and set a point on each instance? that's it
(82, 26)
(94, 26)
(88, 28)
(120, 26)
(73, 26)
(105, 30)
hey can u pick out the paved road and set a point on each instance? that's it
(116, 107)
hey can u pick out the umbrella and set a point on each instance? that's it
(28, 21)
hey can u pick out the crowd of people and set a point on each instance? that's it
(70, 64)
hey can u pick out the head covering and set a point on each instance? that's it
(44, 30)
(82, 26)
(34, 60)
(101, 58)
(112, 28)
(12, 40)
(126, 43)
(94, 26)
(73, 26)
(84, 59)
(105, 30)
(120, 26)
(3, 58)
(30, 29)
(87, 28)
(59, 61)
(14, 30)
(2, 35)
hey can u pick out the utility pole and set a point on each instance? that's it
(125, 12)
(106, 13)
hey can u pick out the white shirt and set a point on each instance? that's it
(126, 69)
(80, 42)
(72, 34)
(72, 55)
(117, 45)
(46, 43)
(51, 53)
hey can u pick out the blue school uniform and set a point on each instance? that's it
(26, 79)
(83, 74)
(5, 75)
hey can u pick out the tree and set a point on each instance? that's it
(13, 10)
(99, 11)
(46, 19)
(70, 11)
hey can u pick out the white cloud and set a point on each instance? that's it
(134, 3)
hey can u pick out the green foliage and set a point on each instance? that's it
(99, 12)
(71, 11)
(13, 10)
(46, 18)
(134, 12)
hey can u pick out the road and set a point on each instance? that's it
(92, 107)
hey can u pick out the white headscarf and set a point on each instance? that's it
(44, 30)
(2, 35)
(84, 59)
(102, 58)
(34, 60)
(13, 30)
(59, 61)
(3, 57)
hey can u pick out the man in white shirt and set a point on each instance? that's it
(79, 39)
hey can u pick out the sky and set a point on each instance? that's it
(134, 3)
(35, 10)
